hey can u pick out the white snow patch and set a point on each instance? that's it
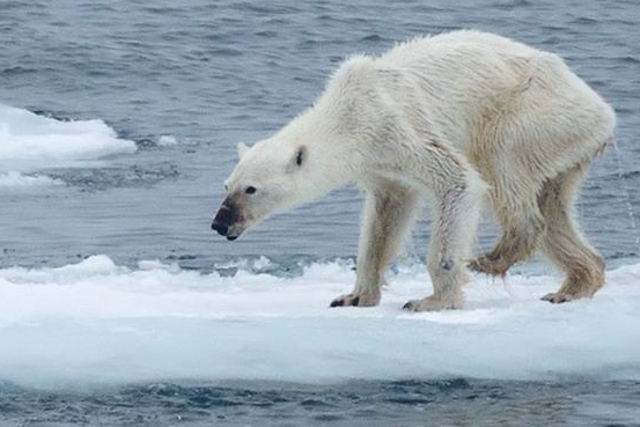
(96, 321)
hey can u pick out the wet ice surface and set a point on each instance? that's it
(99, 323)
(96, 343)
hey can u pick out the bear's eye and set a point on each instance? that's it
(250, 189)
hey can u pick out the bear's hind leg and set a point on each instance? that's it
(388, 212)
(522, 226)
(563, 243)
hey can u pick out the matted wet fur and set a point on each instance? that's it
(466, 117)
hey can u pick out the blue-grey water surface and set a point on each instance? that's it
(214, 73)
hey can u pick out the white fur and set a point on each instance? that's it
(460, 115)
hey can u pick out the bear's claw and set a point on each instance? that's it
(557, 297)
(408, 306)
(341, 302)
(355, 300)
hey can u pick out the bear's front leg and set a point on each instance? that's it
(456, 214)
(388, 212)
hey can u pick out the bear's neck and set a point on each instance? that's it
(333, 154)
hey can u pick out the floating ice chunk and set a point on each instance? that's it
(15, 179)
(170, 140)
(96, 321)
(27, 136)
(166, 140)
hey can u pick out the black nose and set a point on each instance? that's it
(221, 228)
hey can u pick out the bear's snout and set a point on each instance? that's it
(225, 219)
(222, 229)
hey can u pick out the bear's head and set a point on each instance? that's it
(269, 177)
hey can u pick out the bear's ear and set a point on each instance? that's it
(242, 149)
(299, 158)
(301, 155)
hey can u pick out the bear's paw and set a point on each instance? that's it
(491, 265)
(356, 299)
(433, 303)
(558, 297)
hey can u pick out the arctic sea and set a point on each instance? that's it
(119, 306)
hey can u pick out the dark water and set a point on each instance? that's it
(214, 73)
(454, 402)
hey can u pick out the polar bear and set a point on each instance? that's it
(464, 116)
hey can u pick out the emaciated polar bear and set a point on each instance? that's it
(466, 116)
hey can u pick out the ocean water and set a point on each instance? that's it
(119, 306)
